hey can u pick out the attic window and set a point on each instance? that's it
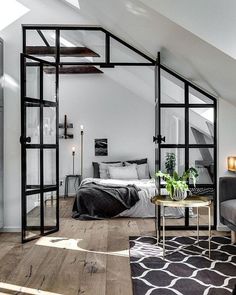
(74, 3)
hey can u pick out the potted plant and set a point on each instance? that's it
(177, 186)
(170, 163)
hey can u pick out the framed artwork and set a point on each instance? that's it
(101, 147)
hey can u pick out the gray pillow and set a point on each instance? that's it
(104, 169)
(96, 173)
(138, 162)
(142, 169)
(126, 172)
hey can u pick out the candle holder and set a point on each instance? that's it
(73, 159)
(81, 149)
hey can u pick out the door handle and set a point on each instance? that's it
(159, 139)
(24, 139)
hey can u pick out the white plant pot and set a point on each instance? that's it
(179, 195)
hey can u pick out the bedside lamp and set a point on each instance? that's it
(232, 163)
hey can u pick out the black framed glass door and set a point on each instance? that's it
(186, 131)
(39, 147)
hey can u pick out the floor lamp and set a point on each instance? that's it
(81, 149)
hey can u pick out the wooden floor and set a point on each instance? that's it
(84, 257)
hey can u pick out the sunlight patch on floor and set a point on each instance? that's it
(73, 244)
(24, 290)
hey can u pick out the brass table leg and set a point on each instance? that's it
(197, 225)
(163, 226)
(157, 223)
(209, 233)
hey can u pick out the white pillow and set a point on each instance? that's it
(126, 172)
(103, 169)
(142, 169)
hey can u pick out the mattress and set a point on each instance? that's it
(143, 208)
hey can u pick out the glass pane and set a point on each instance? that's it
(82, 46)
(32, 169)
(173, 125)
(174, 216)
(197, 97)
(50, 206)
(203, 160)
(173, 160)
(32, 81)
(203, 214)
(201, 125)
(121, 53)
(49, 158)
(49, 125)
(41, 44)
(32, 122)
(32, 216)
(49, 83)
(172, 89)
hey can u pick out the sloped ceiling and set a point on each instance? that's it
(139, 23)
(213, 20)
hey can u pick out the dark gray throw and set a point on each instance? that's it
(96, 201)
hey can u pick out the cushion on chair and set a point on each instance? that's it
(228, 210)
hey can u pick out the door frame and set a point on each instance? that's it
(41, 188)
(159, 138)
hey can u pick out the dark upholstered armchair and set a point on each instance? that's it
(227, 194)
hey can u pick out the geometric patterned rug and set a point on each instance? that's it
(187, 271)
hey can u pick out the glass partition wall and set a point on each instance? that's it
(185, 116)
(187, 128)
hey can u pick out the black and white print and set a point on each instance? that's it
(101, 147)
(185, 270)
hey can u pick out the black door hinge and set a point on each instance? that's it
(24, 139)
(159, 139)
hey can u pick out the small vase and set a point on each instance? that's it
(179, 195)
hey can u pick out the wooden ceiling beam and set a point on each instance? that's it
(73, 70)
(64, 51)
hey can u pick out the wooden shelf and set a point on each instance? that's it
(66, 136)
(69, 125)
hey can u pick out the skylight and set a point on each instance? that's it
(74, 3)
(10, 11)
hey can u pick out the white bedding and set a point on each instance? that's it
(143, 208)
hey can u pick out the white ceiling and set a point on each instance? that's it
(137, 22)
(213, 20)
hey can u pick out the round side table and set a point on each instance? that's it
(193, 201)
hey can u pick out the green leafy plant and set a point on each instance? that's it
(177, 182)
(170, 163)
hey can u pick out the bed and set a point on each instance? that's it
(141, 206)
(119, 193)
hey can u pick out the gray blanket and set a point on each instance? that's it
(96, 201)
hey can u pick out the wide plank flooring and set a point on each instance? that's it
(84, 257)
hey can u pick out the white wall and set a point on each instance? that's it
(40, 12)
(107, 109)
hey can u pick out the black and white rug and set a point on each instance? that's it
(182, 272)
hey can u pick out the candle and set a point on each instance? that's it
(73, 149)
